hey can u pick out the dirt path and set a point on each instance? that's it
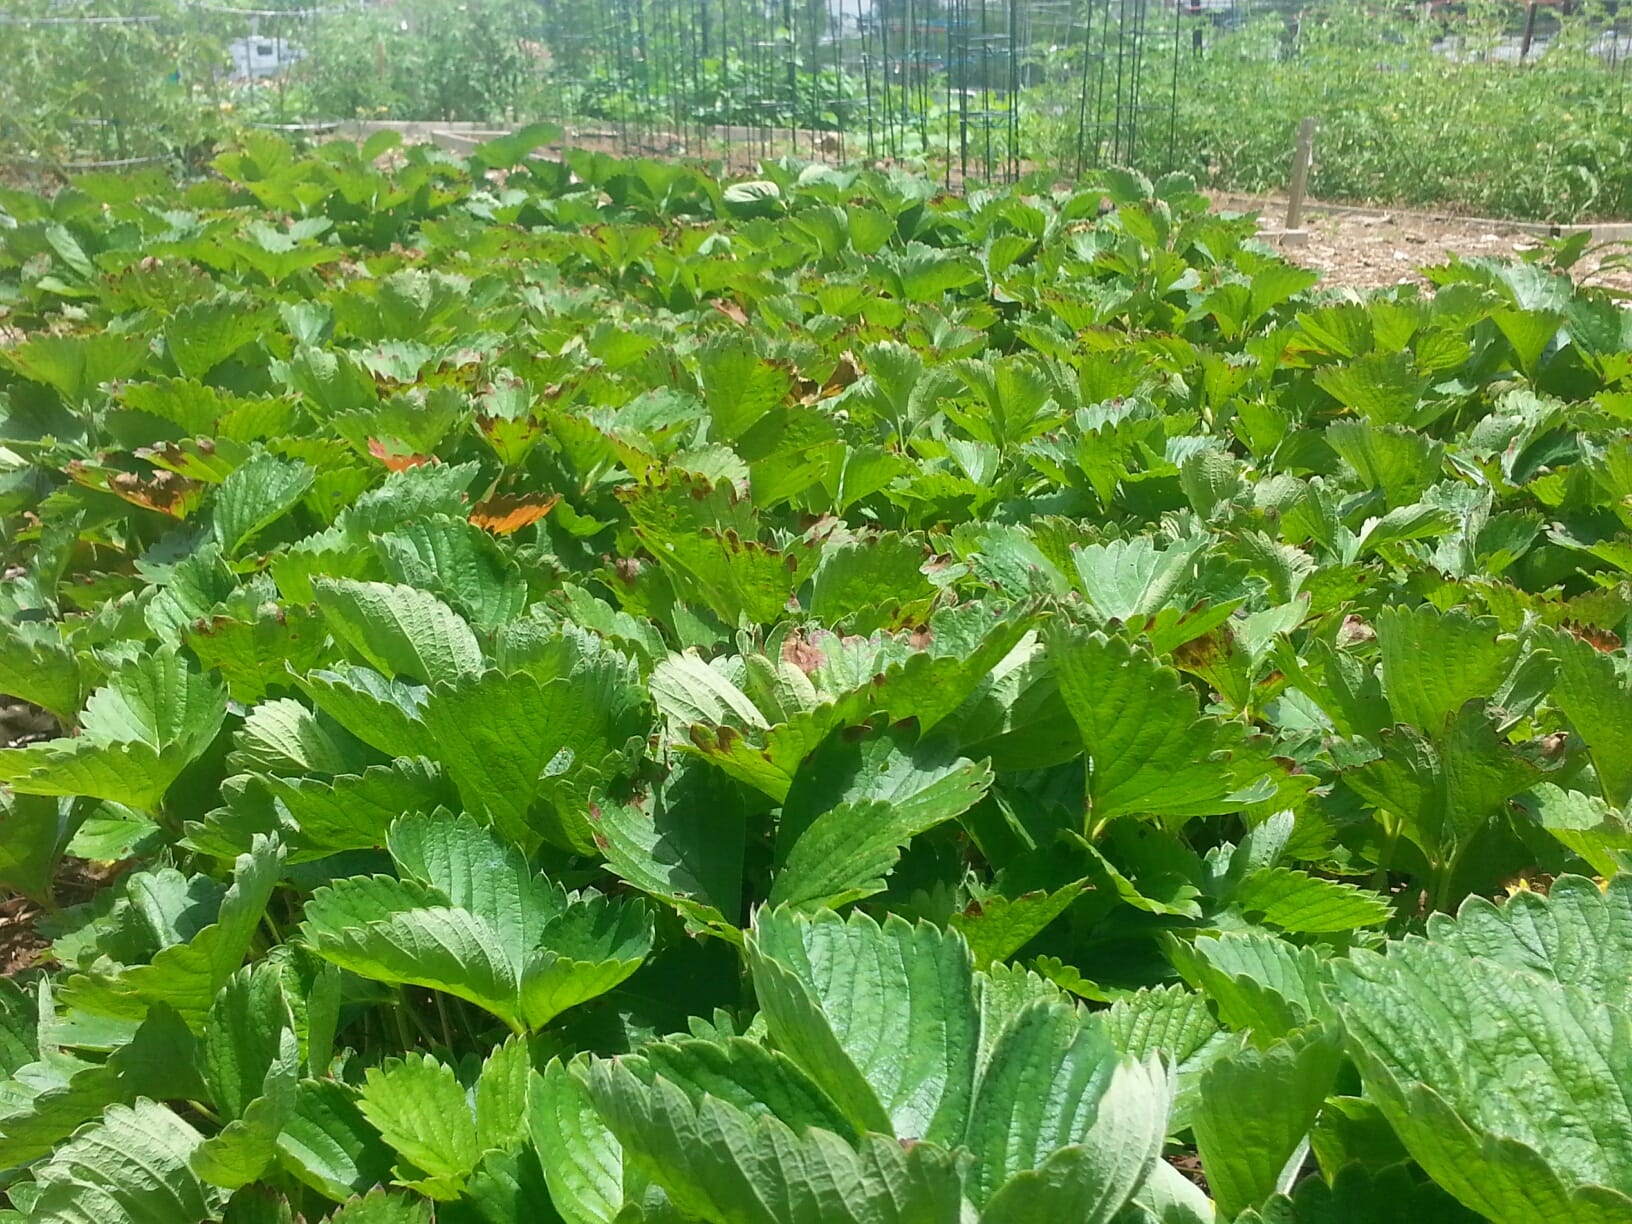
(1374, 248)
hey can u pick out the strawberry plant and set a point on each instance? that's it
(576, 690)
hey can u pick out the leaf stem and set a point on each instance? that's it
(442, 1014)
(403, 1033)
(1444, 875)
(1391, 838)
(272, 925)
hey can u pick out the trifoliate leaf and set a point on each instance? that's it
(758, 1171)
(1509, 1096)
(998, 926)
(684, 844)
(525, 752)
(1100, 1173)
(329, 1145)
(468, 917)
(242, 1037)
(855, 803)
(459, 562)
(202, 335)
(1433, 663)
(34, 834)
(1597, 700)
(187, 976)
(583, 1162)
(155, 715)
(1177, 1024)
(1296, 901)
(1259, 983)
(246, 1148)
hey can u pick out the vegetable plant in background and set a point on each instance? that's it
(1417, 111)
(126, 82)
(604, 694)
(423, 61)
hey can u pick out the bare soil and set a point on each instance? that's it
(22, 946)
(1375, 248)
(20, 942)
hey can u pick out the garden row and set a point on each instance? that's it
(622, 697)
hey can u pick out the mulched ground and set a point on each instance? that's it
(1189, 1164)
(20, 942)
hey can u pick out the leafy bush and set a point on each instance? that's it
(421, 60)
(1402, 121)
(104, 82)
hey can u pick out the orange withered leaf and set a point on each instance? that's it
(394, 459)
(505, 513)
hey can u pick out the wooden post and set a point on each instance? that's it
(1302, 154)
(1529, 33)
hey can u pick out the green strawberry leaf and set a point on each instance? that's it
(398, 630)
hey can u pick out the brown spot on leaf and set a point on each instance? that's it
(1355, 630)
(1201, 653)
(801, 653)
(164, 491)
(731, 311)
(844, 374)
(1599, 639)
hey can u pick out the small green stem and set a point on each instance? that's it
(1391, 838)
(162, 818)
(442, 1014)
(1438, 896)
(272, 925)
(1444, 874)
(403, 1033)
